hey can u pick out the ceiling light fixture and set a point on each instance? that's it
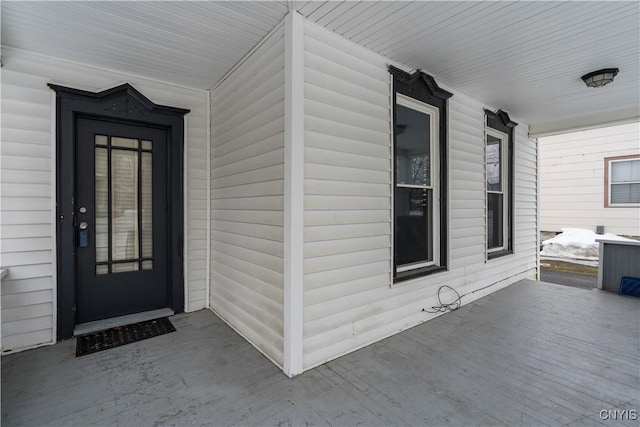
(600, 78)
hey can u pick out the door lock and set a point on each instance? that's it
(83, 235)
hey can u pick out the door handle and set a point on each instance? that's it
(83, 235)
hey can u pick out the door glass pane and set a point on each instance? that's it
(102, 203)
(147, 265)
(102, 269)
(147, 203)
(413, 147)
(495, 220)
(146, 145)
(124, 205)
(494, 163)
(124, 142)
(101, 140)
(126, 266)
(414, 235)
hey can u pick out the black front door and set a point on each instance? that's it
(119, 205)
(120, 219)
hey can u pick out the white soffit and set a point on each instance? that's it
(187, 43)
(523, 57)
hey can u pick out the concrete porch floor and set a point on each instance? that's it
(531, 354)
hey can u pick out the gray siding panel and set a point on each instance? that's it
(247, 198)
(618, 261)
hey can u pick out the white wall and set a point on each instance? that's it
(348, 300)
(572, 173)
(247, 198)
(28, 187)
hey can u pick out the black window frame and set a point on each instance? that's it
(501, 122)
(423, 87)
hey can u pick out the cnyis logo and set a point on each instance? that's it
(619, 414)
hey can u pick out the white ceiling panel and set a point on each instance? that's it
(523, 57)
(188, 43)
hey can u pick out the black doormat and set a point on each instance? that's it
(121, 335)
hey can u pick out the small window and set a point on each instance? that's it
(420, 175)
(499, 183)
(622, 181)
(496, 150)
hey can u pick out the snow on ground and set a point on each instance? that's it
(576, 244)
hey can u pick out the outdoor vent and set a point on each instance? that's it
(599, 229)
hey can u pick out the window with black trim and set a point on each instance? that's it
(420, 175)
(499, 183)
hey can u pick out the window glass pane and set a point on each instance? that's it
(124, 204)
(124, 142)
(147, 265)
(494, 163)
(414, 225)
(625, 193)
(625, 171)
(102, 203)
(126, 266)
(495, 220)
(146, 202)
(101, 140)
(413, 147)
(146, 145)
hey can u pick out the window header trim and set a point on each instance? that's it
(500, 120)
(410, 83)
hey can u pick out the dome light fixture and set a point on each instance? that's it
(600, 78)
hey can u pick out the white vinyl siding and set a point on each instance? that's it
(348, 301)
(572, 179)
(28, 187)
(247, 191)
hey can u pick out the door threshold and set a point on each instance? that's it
(101, 325)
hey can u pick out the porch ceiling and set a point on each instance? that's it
(523, 57)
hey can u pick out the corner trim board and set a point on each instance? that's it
(293, 194)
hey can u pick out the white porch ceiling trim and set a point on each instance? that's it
(593, 121)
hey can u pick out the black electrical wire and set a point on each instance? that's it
(444, 307)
